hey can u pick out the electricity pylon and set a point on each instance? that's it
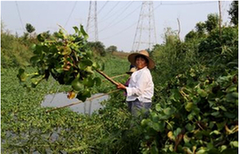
(145, 35)
(92, 28)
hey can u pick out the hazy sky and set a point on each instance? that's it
(117, 20)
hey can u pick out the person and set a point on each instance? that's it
(141, 87)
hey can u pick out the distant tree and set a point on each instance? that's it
(2, 26)
(170, 36)
(97, 47)
(212, 22)
(29, 28)
(200, 28)
(111, 49)
(233, 12)
(190, 36)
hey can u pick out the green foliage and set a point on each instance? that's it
(173, 57)
(29, 28)
(13, 51)
(212, 22)
(195, 111)
(67, 59)
(225, 44)
(200, 27)
(97, 47)
(111, 49)
(233, 12)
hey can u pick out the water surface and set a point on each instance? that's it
(87, 107)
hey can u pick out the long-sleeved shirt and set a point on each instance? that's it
(141, 86)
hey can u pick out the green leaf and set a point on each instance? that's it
(88, 82)
(66, 50)
(76, 29)
(40, 38)
(229, 115)
(89, 69)
(84, 63)
(232, 97)
(22, 75)
(215, 132)
(232, 88)
(222, 108)
(158, 107)
(189, 106)
(76, 84)
(186, 139)
(97, 81)
(190, 116)
(234, 144)
(177, 131)
(189, 127)
(36, 80)
(83, 32)
(202, 93)
(215, 114)
(168, 111)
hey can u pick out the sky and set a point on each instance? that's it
(117, 21)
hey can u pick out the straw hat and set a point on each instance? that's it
(144, 53)
(132, 70)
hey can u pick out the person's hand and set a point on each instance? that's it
(121, 86)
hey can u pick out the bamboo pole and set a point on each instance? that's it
(115, 77)
(107, 77)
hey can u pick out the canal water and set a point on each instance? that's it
(87, 107)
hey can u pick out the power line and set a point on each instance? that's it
(121, 19)
(102, 7)
(124, 9)
(120, 31)
(110, 11)
(20, 16)
(130, 25)
(117, 16)
(71, 13)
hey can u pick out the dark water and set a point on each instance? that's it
(87, 107)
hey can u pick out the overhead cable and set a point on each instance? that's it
(102, 7)
(116, 17)
(118, 13)
(71, 13)
(20, 16)
(121, 19)
(119, 32)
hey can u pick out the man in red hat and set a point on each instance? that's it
(141, 87)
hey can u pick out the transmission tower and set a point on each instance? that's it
(145, 35)
(92, 28)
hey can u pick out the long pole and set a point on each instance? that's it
(107, 77)
(220, 17)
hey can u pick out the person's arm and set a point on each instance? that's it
(121, 86)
